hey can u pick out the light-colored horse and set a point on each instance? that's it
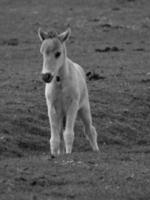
(66, 93)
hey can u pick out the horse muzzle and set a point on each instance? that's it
(47, 77)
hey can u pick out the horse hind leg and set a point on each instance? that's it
(89, 129)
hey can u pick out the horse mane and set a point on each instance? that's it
(52, 34)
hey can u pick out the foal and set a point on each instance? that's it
(66, 93)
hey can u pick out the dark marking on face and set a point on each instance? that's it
(58, 78)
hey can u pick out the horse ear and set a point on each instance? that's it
(65, 35)
(42, 35)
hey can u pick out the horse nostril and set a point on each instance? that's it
(47, 77)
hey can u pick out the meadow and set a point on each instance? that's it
(111, 41)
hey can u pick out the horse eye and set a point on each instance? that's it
(57, 54)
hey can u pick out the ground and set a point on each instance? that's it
(111, 40)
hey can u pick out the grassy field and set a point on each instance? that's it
(110, 38)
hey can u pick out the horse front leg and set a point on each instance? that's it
(54, 120)
(69, 128)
